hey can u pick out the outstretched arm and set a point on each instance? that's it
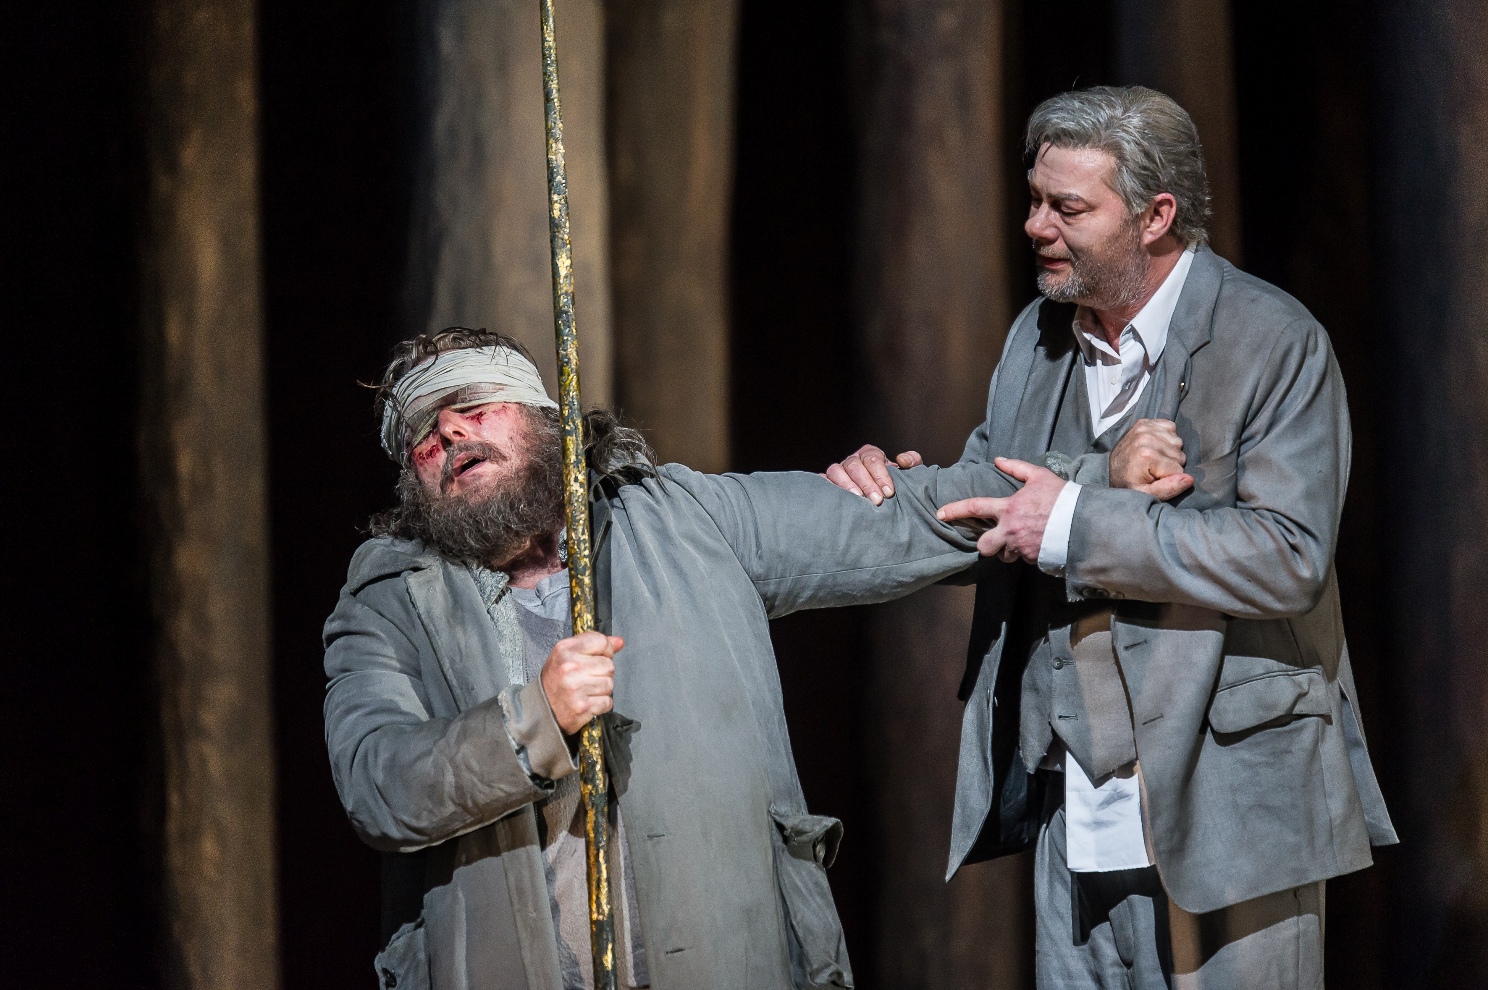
(1149, 459)
(808, 544)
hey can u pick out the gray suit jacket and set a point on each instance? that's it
(728, 864)
(1227, 622)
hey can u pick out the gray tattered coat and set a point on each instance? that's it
(728, 864)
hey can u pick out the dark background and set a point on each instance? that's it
(79, 879)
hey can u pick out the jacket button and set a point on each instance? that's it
(1058, 663)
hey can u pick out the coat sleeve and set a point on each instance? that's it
(808, 544)
(406, 778)
(1268, 556)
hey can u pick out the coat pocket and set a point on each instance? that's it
(1269, 698)
(807, 846)
(404, 963)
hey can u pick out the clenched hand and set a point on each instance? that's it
(1150, 459)
(579, 678)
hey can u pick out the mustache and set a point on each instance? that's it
(1053, 256)
(489, 522)
(483, 452)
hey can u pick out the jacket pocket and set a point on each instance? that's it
(806, 847)
(1268, 698)
(404, 963)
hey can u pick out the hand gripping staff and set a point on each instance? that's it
(576, 510)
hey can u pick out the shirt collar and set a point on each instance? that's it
(1150, 325)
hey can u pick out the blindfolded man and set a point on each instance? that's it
(455, 688)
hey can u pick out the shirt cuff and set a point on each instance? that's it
(1054, 550)
(539, 742)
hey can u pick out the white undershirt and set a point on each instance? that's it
(1103, 825)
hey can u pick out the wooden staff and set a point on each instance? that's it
(576, 511)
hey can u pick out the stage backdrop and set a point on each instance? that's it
(798, 228)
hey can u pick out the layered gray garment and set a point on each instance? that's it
(729, 866)
(545, 618)
(1072, 692)
(1226, 620)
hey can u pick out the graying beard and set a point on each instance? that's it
(494, 522)
(1097, 284)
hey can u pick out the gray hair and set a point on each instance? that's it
(1152, 138)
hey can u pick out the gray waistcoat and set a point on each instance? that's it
(1072, 686)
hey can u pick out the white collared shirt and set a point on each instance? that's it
(1114, 380)
(1103, 825)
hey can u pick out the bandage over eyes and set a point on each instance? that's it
(461, 379)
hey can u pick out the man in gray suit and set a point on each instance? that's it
(1158, 695)
(455, 688)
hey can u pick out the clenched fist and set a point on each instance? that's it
(1150, 459)
(579, 678)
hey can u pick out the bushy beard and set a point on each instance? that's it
(494, 522)
(1111, 276)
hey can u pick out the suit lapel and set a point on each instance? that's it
(1189, 330)
(1139, 628)
(1051, 356)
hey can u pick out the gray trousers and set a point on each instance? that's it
(1104, 931)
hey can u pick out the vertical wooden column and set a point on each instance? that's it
(932, 293)
(202, 444)
(1433, 199)
(671, 124)
(478, 247)
(1185, 49)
